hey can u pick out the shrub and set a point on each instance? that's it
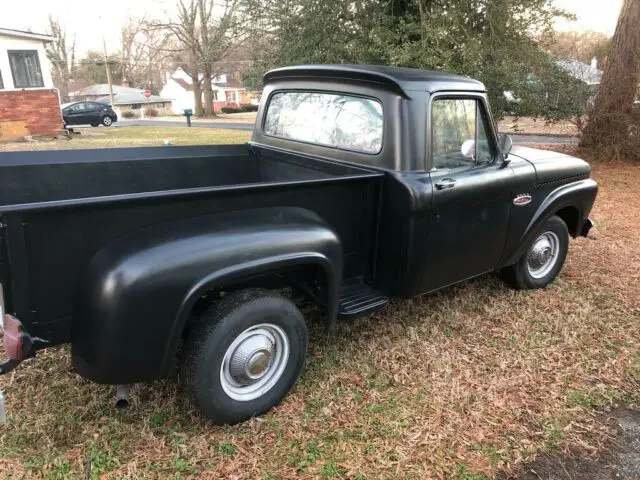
(250, 108)
(229, 110)
(129, 114)
(150, 112)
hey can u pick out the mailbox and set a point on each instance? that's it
(187, 113)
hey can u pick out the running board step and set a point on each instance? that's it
(358, 298)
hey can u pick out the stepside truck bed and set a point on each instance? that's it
(58, 208)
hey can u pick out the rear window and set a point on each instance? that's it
(335, 120)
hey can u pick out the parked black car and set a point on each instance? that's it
(359, 184)
(88, 113)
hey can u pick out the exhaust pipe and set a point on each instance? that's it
(122, 396)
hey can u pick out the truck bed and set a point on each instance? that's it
(51, 176)
(57, 209)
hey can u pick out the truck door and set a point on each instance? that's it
(471, 191)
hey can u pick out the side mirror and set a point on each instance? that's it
(504, 145)
(468, 148)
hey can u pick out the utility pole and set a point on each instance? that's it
(106, 65)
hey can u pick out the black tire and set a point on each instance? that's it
(107, 121)
(208, 341)
(95, 124)
(521, 274)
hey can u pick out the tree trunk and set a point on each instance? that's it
(206, 67)
(611, 126)
(208, 92)
(197, 98)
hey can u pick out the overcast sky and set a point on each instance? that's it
(89, 19)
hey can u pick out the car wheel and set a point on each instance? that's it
(244, 355)
(95, 124)
(107, 121)
(543, 258)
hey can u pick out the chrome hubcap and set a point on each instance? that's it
(254, 362)
(543, 255)
(107, 121)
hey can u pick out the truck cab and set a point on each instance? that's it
(454, 202)
(359, 183)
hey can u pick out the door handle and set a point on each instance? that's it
(445, 183)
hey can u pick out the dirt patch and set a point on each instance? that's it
(619, 459)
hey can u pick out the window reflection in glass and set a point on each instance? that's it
(341, 121)
(453, 122)
(458, 134)
(25, 67)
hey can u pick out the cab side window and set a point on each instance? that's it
(459, 134)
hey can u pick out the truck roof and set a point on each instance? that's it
(398, 78)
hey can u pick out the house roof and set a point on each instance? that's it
(9, 32)
(404, 79)
(130, 99)
(184, 84)
(581, 71)
(189, 86)
(103, 89)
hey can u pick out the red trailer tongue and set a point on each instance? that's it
(14, 338)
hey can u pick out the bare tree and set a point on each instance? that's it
(582, 46)
(612, 126)
(208, 31)
(220, 34)
(187, 53)
(144, 53)
(61, 56)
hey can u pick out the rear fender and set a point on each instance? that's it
(140, 289)
(579, 195)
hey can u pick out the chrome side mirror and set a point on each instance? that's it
(468, 148)
(504, 145)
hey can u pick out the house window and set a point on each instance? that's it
(25, 68)
(1, 82)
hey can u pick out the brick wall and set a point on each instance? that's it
(37, 110)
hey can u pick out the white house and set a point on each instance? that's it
(179, 88)
(23, 61)
(29, 104)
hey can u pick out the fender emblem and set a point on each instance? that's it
(522, 199)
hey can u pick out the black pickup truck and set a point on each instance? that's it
(359, 183)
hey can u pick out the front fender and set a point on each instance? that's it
(579, 195)
(139, 289)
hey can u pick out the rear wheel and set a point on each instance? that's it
(543, 259)
(244, 355)
(107, 121)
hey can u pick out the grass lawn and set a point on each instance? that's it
(468, 383)
(133, 137)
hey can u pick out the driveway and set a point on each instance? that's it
(542, 139)
(229, 125)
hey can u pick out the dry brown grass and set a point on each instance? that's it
(474, 380)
